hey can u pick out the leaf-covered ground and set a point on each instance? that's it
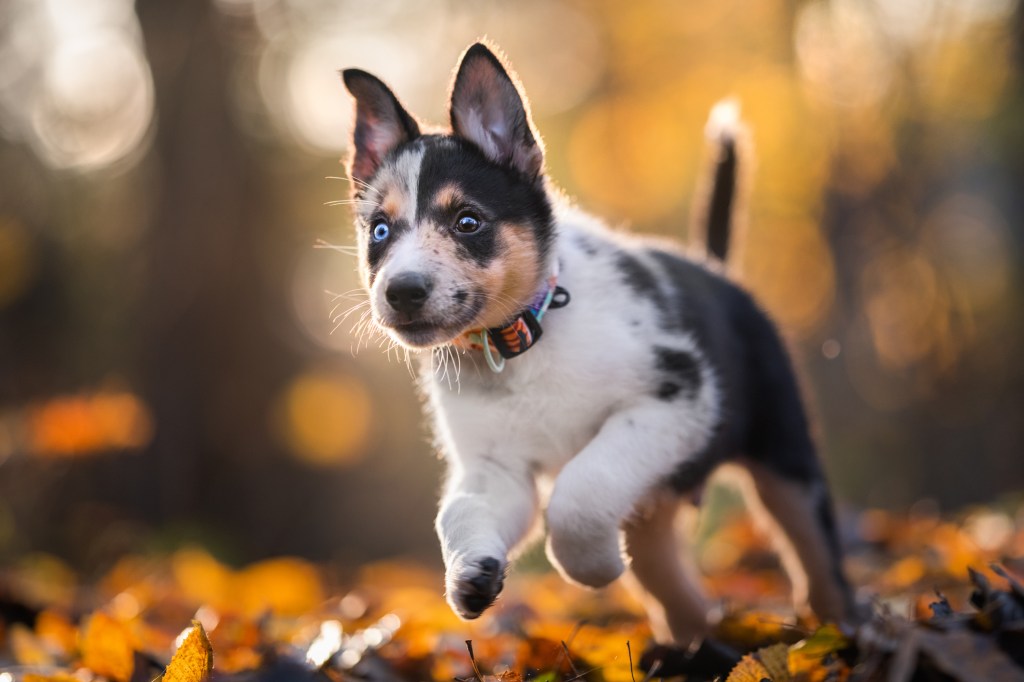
(945, 595)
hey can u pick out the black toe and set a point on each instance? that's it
(482, 589)
(711, 659)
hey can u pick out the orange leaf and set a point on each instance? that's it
(57, 631)
(193, 660)
(107, 648)
(769, 663)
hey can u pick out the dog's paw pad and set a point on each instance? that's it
(479, 587)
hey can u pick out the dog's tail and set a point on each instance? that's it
(718, 208)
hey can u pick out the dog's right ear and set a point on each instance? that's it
(381, 123)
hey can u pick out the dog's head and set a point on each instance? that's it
(454, 229)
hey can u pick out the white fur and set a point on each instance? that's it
(577, 407)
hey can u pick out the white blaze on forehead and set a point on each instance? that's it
(398, 183)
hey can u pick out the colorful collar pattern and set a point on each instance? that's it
(519, 335)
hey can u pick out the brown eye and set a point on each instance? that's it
(467, 223)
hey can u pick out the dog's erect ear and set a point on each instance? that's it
(381, 123)
(488, 110)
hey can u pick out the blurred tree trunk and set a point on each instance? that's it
(204, 318)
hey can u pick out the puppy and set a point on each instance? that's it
(613, 367)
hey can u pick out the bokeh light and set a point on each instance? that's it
(80, 90)
(325, 418)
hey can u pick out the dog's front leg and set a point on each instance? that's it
(488, 507)
(635, 451)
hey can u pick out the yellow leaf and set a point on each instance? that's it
(809, 658)
(193, 660)
(825, 640)
(749, 669)
(27, 648)
(107, 648)
(775, 659)
(769, 663)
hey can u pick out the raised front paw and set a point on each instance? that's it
(584, 548)
(590, 563)
(472, 586)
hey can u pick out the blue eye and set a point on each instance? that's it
(467, 223)
(380, 231)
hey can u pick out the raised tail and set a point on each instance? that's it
(718, 208)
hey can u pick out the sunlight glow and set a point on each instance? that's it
(97, 101)
(841, 53)
(74, 81)
(326, 643)
(298, 70)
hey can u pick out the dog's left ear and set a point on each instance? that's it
(488, 110)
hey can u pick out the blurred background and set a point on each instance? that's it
(168, 371)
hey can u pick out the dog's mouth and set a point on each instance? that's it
(433, 331)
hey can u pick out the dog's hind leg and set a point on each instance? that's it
(788, 480)
(665, 584)
(799, 516)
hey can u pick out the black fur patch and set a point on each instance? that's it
(640, 279)
(496, 193)
(722, 198)
(668, 390)
(762, 413)
(682, 370)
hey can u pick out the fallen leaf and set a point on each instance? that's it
(107, 648)
(814, 658)
(193, 660)
(27, 648)
(769, 663)
(57, 631)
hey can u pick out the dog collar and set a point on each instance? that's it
(519, 335)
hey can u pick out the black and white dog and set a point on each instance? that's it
(652, 369)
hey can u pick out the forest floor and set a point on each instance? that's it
(945, 594)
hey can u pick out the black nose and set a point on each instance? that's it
(407, 292)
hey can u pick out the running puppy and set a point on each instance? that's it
(651, 371)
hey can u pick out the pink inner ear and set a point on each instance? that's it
(375, 136)
(488, 111)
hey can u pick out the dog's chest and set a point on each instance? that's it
(551, 401)
(540, 422)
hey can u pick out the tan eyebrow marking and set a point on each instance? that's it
(393, 203)
(448, 196)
